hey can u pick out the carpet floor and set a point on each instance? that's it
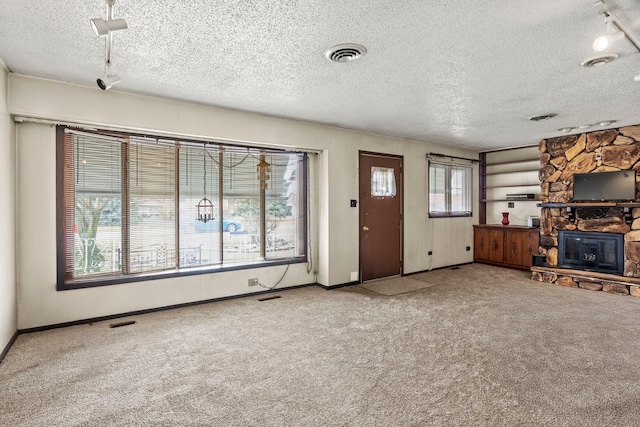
(475, 346)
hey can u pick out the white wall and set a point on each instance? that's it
(8, 304)
(335, 181)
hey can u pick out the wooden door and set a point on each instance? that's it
(380, 216)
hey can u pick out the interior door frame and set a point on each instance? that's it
(400, 185)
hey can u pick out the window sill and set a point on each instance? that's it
(211, 269)
(450, 214)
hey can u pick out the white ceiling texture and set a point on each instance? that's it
(462, 73)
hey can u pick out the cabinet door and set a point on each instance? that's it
(532, 247)
(496, 246)
(481, 244)
(515, 252)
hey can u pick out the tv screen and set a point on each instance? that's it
(605, 186)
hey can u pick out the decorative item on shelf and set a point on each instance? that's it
(505, 218)
(205, 207)
(263, 170)
(521, 196)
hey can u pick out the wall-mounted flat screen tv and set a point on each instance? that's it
(617, 186)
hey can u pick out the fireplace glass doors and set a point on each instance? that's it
(603, 252)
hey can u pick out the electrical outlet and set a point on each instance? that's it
(430, 253)
(511, 205)
(253, 282)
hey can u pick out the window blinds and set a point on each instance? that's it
(129, 205)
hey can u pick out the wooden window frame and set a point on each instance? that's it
(468, 188)
(65, 225)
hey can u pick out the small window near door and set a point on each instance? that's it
(449, 190)
(383, 182)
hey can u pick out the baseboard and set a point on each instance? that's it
(342, 285)
(8, 346)
(153, 310)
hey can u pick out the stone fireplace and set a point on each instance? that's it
(589, 260)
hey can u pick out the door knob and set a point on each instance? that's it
(365, 228)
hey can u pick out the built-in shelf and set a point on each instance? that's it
(506, 172)
(513, 162)
(511, 185)
(590, 205)
(510, 200)
(500, 175)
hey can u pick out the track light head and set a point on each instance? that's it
(105, 82)
(102, 28)
(604, 41)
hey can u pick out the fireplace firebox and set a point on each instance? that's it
(603, 252)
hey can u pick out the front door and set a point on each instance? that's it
(380, 216)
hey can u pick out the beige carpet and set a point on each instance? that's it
(482, 346)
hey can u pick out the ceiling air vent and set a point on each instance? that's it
(542, 117)
(346, 52)
(599, 60)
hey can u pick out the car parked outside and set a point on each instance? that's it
(214, 226)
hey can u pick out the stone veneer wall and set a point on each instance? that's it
(601, 151)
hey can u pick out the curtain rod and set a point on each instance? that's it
(429, 155)
(165, 134)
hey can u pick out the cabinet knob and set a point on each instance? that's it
(365, 228)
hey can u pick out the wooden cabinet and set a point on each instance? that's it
(506, 246)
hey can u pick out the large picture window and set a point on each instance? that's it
(127, 207)
(449, 190)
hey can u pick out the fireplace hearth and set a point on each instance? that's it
(602, 252)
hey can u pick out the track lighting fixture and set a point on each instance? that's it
(607, 39)
(105, 82)
(102, 28)
(617, 29)
(105, 28)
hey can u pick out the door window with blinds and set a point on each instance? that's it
(449, 190)
(128, 208)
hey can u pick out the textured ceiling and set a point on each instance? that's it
(459, 73)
